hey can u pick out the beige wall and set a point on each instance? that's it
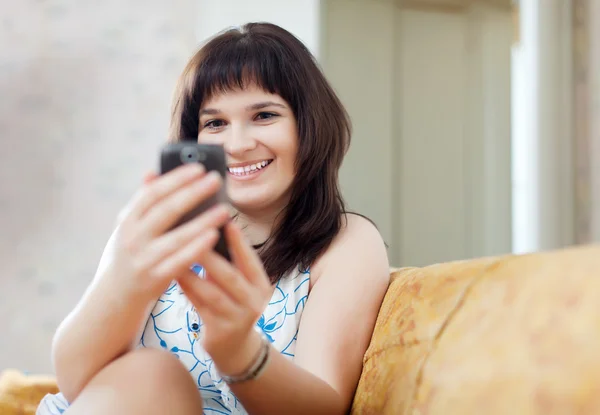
(85, 92)
(430, 104)
(586, 54)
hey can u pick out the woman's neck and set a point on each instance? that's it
(258, 224)
(256, 227)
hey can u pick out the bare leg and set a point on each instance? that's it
(144, 381)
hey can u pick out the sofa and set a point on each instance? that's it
(504, 335)
(515, 334)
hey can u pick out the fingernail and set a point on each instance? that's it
(212, 234)
(214, 175)
(195, 168)
(149, 177)
(217, 211)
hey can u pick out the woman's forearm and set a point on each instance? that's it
(102, 327)
(285, 388)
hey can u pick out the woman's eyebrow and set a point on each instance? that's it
(264, 104)
(209, 111)
(253, 107)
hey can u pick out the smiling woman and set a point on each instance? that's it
(283, 327)
(261, 73)
(258, 131)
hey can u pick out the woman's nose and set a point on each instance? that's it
(239, 141)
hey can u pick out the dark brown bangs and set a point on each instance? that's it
(238, 65)
(230, 62)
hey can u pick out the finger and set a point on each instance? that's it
(164, 214)
(157, 189)
(204, 294)
(181, 259)
(149, 177)
(244, 257)
(126, 211)
(225, 275)
(170, 242)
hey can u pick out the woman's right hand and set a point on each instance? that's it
(146, 253)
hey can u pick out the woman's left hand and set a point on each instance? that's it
(230, 300)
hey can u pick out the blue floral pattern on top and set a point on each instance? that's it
(174, 325)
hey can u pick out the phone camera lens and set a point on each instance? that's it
(189, 155)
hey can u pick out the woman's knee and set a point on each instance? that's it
(151, 369)
(145, 381)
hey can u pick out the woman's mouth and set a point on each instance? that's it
(249, 170)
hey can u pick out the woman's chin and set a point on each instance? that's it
(248, 203)
(253, 202)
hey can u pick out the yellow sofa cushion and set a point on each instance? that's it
(514, 334)
(20, 394)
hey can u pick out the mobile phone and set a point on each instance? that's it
(212, 157)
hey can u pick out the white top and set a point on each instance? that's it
(174, 325)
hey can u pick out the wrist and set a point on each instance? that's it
(242, 358)
(123, 291)
(106, 293)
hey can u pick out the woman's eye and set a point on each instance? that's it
(214, 124)
(265, 115)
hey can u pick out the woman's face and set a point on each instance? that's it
(259, 133)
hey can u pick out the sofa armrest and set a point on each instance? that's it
(20, 394)
(514, 334)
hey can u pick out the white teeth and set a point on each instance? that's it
(241, 171)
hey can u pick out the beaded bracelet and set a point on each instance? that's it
(256, 368)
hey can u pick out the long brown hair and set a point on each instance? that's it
(272, 58)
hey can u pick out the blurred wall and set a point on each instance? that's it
(430, 106)
(85, 91)
(300, 17)
(542, 131)
(586, 53)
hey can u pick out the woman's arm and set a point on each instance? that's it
(141, 259)
(104, 325)
(335, 330)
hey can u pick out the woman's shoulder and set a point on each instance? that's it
(358, 241)
(358, 226)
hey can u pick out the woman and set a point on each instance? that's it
(282, 328)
